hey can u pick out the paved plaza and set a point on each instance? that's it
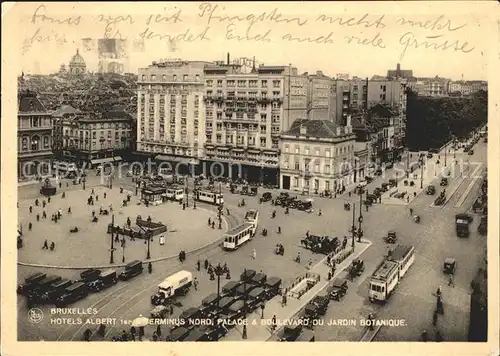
(186, 229)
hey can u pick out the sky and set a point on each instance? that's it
(360, 39)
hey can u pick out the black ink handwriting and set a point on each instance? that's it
(208, 11)
(352, 21)
(319, 40)
(408, 40)
(162, 19)
(39, 16)
(376, 41)
(230, 35)
(437, 24)
(186, 36)
(40, 37)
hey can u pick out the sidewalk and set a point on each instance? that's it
(258, 332)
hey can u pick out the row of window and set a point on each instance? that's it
(243, 83)
(244, 95)
(35, 144)
(317, 151)
(164, 77)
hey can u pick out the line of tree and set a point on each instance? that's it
(431, 122)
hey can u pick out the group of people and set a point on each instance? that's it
(211, 270)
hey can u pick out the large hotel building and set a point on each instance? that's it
(216, 117)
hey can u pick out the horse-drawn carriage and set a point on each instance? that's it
(357, 268)
(320, 244)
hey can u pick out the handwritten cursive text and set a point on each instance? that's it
(438, 24)
(408, 40)
(40, 17)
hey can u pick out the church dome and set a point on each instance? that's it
(77, 60)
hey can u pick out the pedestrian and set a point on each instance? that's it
(45, 245)
(52, 246)
(205, 264)
(92, 192)
(141, 332)
(195, 283)
(310, 263)
(213, 224)
(411, 211)
(283, 300)
(87, 334)
(438, 291)
(279, 229)
(97, 197)
(434, 317)
(198, 265)
(262, 311)
(158, 330)
(439, 337)
(329, 275)
(450, 280)
(63, 195)
(349, 194)
(155, 336)
(48, 199)
(36, 202)
(150, 267)
(254, 254)
(60, 185)
(171, 309)
(273, 320)
(69, 210)
(209, 221)
(38, 217)
(30, 225)
(132, 333)
(439, 306)
(183, 206)
(104, 195)
(43, 204)
(227, 211)
(31, 209)
(320, 212)
(101, 330)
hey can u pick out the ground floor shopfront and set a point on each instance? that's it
(29, 168)
(236, 170)
(297, 181)
(94, 158)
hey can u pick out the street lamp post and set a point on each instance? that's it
(187, 192)
(360, 218)
(408, 163)
(353, 228)
(219, 271)
(112, 248)
(83, 181)
(445, 149)
(421, 174)
(148, 235)
(123, 253)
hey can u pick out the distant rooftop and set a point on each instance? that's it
(28, 102)
(314, 128)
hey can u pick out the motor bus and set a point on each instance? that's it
(60, 168)
(166, 174)
(237, 236)
(252, 217)
(175, 193)
(210, 197)
(389, 273)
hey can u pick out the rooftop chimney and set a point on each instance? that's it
(339, 132)
(303, 130)
(228, 58)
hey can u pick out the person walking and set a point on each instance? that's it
(150, 267)
(273, 320)
(69, 210)
(38, 217)
(31, 209)
(262, 311)
(195, 283)
(30, 225)
(283, 300)
(411, 211)
(133, 332)
(158, 330)
(45, 245)
(104, 195)
(198, 265)
(434, 317)
(254, 254)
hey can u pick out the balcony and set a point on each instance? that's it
(264, 100)
(278, 100)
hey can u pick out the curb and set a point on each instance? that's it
(295, 312)
(216, 242)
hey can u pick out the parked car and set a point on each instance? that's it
(431, 190)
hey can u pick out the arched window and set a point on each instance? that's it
(35, 141)
(46, 142)
(24, 144)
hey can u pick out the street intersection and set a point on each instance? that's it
(434, 240)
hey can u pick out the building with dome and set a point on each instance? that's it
(77, 66)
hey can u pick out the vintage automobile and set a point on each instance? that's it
(178, 334)
(257, 296)
(449, 266)
(384, 187)
(30, 283)
(273, 285)
(357, 268)
(247, 275)
(431, 190)
(429, 155)
(440, 199)
(391, 237)
(190, 315)
(320, 244)
(253, 191)
(291, 332)
(230, 288)
(393, 182)
(368, 179)
(267, 196)
(337, 289)
(245, 288)
(444, 182)
(470, 153)
(259, 279)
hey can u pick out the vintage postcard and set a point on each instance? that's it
(260, 174)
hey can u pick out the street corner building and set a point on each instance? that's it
(34, 135)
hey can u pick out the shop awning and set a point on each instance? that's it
(165, 158)
(101, 160)
(117, 158)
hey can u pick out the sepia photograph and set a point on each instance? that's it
(281, 172)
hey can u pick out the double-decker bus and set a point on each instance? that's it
(389, 273)
(237, 236)
(209, 196)
(252, 217)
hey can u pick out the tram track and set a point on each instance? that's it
(101, 304)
